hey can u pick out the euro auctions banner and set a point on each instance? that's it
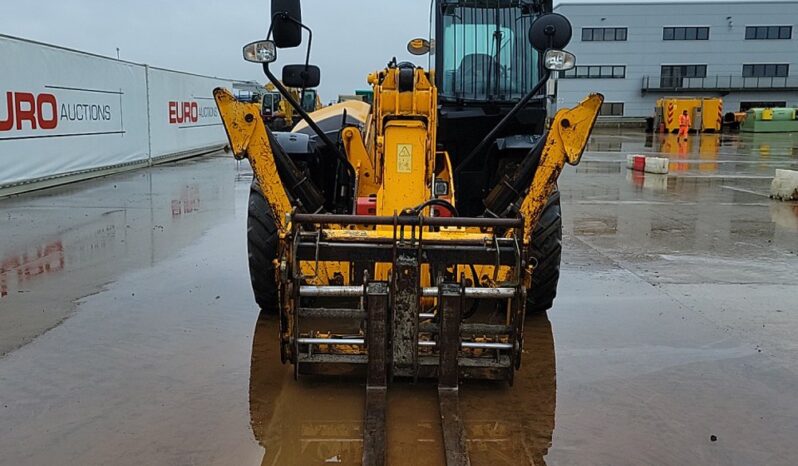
(63, 111)
(183, 113)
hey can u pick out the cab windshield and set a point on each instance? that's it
(309, 100)
(486, 53)
(271, 102)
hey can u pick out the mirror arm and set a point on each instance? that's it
(297, 106)
(307, 55)
(491, 137)
(284, 16)
(287, 96)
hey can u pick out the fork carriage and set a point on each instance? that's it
(420, 311)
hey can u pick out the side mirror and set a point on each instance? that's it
(301, 76)
(558, 60)
(262, 51)
(550, 31)
(286, 23)
(418, 46)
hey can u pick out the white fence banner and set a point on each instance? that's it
(183, 114)
(64, 112)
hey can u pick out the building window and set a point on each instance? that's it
(768, 32)
(611, 109)
(673, 75)
(596, 72)
(685, 33)
(603, 34)
(769, 70)
(685, 71)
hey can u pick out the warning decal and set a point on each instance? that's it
(404, 158)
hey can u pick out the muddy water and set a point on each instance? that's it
(671, 342)
(313, 421)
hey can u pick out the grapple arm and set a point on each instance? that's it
(284, 186)
(565, 142)
(249, 139)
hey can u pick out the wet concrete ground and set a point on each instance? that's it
(129, 335)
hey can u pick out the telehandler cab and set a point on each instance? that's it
(409, 238)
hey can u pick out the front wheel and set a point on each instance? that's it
(546, 248)
(262, 244)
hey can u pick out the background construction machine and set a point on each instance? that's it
(410, 237)
(706, 114)
(277, 112)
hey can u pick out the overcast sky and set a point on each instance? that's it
(351, 37)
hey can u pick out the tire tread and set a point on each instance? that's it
(547, 249)
(262, 244)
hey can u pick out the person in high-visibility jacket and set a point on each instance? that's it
(684, 125)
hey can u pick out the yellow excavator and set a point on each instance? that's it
(278, 114)
(409, 238)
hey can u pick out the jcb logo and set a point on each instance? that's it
(183, 112)
(24, 109)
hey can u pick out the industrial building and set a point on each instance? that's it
(635, 53)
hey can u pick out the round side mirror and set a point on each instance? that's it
(550, 31)
(418, 46)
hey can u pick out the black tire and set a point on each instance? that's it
(262, 243)
(547, 249)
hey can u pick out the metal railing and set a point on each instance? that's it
(718, 83)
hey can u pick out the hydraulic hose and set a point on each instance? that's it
(439, 202)
(475, 304)
(512, 185)
(350, 170)
(495, 131)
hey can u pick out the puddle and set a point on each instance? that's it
(319, 420)
(674, 323)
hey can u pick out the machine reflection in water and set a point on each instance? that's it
(704, 147)
(319, 419)
(710, 154)
(62, 244)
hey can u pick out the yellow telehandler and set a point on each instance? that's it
(408, 239)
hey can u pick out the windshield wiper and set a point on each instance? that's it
(497, 64)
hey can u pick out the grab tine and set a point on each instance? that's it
(450, 299)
